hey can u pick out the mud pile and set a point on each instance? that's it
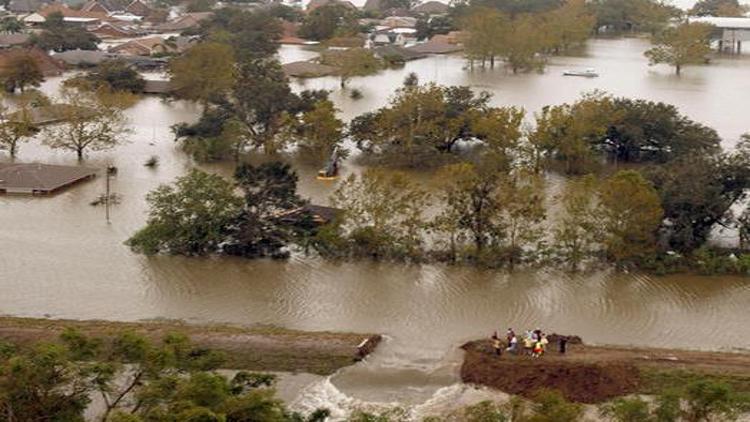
(522, 375)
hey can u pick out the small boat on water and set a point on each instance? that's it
(587, 73)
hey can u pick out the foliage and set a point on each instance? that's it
(317, 131)
(326, 22)
(435, 25)
(16, 127)
(213, 137)
(270, 190)
(577, 233)
(251, 34)
(383, 215)
(21, 71)
(686, 44)
(88, 121)
(422, 120)
(631, 214)
(137, 379)
(622, 129)
(58, 36)
(351, 63)
(190, 217)
(261, 97)
(633, 15)
(697, 192)
(723, 8)
(113, 75)
(204, 73)
(11, 25)
(627, 410)
(498, 213)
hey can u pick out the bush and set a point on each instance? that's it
(356, 94)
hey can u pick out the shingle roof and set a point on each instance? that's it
(393, 52)
(40, 177)
(431, 7)
(305, 69)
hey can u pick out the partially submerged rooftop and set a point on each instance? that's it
(40, 179)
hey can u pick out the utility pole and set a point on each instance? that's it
(111, 172)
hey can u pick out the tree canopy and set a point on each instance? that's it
(684, 45)
(58, 36)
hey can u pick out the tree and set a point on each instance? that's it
(633, 15)
(577, 233)
(88, 121)
(15, 128)
(216, 136)
(567, 132)
(419, 122)
(567, 26)
(21, 71)
(43, 384)
(58, 36)
(204, 73)
(261, 97)
(317, 132)
(686, 44)
(697, 192)
(724, 8)
(383, 214)
(326, 22)
(631, 214)
(11, 25)
(251, 34)
(500, 128)
(114, 75)
(627, 410)
(190, 217)
(270, 191)
(350, 63)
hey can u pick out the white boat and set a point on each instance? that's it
(588, 73)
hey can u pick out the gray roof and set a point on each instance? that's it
(432, 8)
(307, 69)
(393, 52)
(42, 178)
(433, 47)
(8, 40)
(25, 6)
(157, 87)
(83, 57)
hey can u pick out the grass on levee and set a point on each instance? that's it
(656, 381)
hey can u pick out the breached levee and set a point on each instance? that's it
(256, 348)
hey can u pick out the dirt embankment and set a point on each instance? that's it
(593, 374)
(250, 348)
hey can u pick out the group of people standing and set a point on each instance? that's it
(534, 343)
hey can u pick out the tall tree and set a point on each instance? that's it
(351, 63)
(631, 214)
(15, 127)
(726, 8)
(251, 34)
(261, 98)
(328, 21)
(88, 121)
(383, 214)
(317, 132)
(577, 232)
(686, 44)
(113, 75)
(204, 73)
(58, 36)
(190, 217)
(270, 191)
(21, 71)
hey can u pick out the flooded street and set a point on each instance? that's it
(59, 258)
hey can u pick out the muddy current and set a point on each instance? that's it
(60, 259)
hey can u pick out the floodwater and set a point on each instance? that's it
(59, 258)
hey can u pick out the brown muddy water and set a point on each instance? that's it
(59, 258)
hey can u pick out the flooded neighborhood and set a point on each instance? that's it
(67, 248)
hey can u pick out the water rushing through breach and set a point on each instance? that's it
(59, 258)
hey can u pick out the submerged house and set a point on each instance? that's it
(40, 179)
